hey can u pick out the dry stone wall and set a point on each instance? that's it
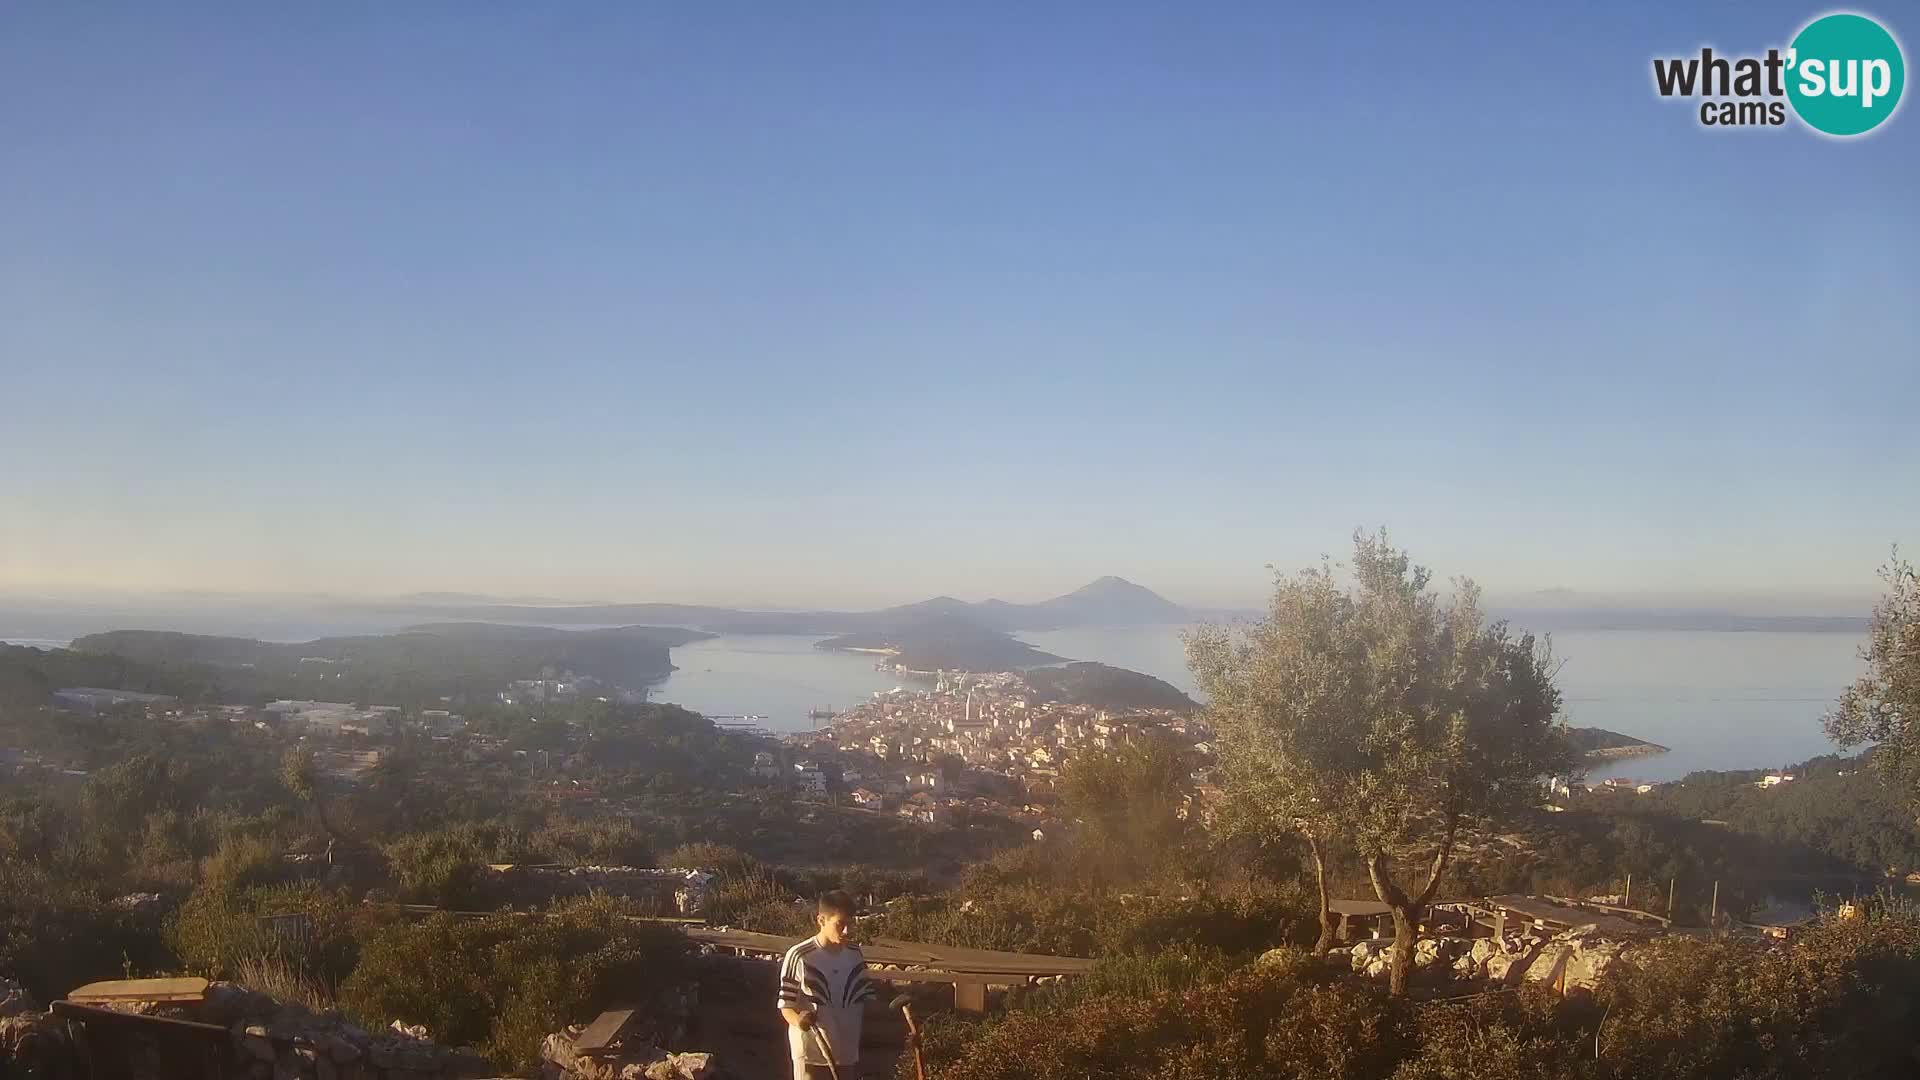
(267, 1040)
(1572, 961)
(560, 1061)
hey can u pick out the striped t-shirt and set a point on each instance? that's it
(833, 984)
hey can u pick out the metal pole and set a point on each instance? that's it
(1629, 902)
(1673, 886)
(1713, 916)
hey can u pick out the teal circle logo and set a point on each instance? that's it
(1845, 74)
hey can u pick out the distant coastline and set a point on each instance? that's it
(1616, 753)
(1599, 744)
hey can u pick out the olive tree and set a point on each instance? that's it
(1883, 706)
(1365, 707)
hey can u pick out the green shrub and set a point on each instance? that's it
(447, 867)
(502, 981)
(1270, 1021)
(1841, 1001)
(598, 843)
(781, 917)
(1047, 919)
(1130, 975)
(718, 858)
(217, 933)
(241, 862)
(1530, 1035)
(55, 936)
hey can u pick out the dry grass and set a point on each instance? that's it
(276, 975)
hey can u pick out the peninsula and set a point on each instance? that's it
(1599, 744)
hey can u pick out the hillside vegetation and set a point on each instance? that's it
(414, 667)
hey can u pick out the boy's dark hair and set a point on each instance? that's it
(836, 902)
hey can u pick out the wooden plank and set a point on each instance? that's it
(905, 975)
(886, 951)
(969, 997)
(879, 950)
(142, 990)
(604, 1031)
(128, 1046)
(1568, 917)
(88, 1014)
(1626, 912)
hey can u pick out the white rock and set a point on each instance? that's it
(1549, 963)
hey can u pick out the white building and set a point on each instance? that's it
(336, 717)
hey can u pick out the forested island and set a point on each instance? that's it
(418, 665)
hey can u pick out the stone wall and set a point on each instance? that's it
(267, 1040)
(675, 890)
(560, 1061)
(1572, 961)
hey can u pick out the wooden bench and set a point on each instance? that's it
(122, 1046)
(182, 991)
(606, 1030)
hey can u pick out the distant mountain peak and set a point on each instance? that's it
(1106, 601)
(1116, 600)
(1110, 583)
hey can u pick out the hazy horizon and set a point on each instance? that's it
(1810, 602)
(854, 307)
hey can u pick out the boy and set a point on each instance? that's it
(823, 991)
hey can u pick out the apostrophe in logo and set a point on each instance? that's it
(1845, 74)
(1842, 75)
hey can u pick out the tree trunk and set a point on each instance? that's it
(1327, 924)
(1405, 940)
(1408, 911)
(1400, 957)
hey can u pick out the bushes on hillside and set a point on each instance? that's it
(55, 935)
(1043, 919)
(598, 843)
(1274, 1020)
(447, 867)
(1842, 1001)
(1174, 968)
(218, 933)
(502, 981)
(1045, 898)
(753, 895)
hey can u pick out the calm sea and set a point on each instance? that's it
(1719, 700)
(781, 677)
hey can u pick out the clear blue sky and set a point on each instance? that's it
(811, 303)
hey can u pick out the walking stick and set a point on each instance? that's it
(905, 1005)
(826, 1047)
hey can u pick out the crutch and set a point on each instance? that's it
(905, 1004)
(826, 1045)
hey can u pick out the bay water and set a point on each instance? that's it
(1716, 699)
